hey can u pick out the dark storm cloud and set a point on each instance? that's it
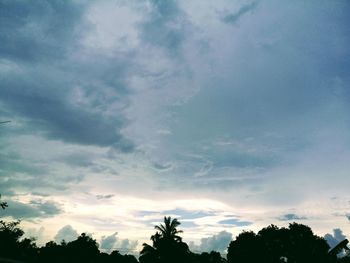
(48, 108)
(289, 217)
(35, 209)
(40, 78)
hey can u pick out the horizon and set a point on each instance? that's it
(228, 116)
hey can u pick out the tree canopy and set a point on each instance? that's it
(297, 244)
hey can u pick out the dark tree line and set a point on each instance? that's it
(82, 250)
(296, 244)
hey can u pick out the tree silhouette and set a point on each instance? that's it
(3, 205)
(82, 250)
(205, 257)
(246, 248)
(12, 245)
(297, 244)
(168, 230)
(52, 252)
(167, 245)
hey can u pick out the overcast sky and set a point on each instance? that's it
(227, 115)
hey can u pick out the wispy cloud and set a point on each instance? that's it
(291, 217)
(234, 17)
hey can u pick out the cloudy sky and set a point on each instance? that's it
(227, 115)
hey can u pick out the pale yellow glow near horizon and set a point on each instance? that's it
(121, 214)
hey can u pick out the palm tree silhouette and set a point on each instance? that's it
(168, 230)
(167, 245)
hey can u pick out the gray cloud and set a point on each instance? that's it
(60, 119)
(101, 197)
(35, 31)
(50, 105)
(290, 217)
(163, 167)
(335, 238)
(78, 160)
(165, 26)
(239, 109)
(66, 233)
(12, 163)
(29, 182)
(35, 209)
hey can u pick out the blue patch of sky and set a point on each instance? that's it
(187, 214)
(235, 222)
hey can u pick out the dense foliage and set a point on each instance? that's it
(272, 244)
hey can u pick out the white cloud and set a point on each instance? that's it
(66, 233)
(335, 238)
(112, 242)
(218, 242)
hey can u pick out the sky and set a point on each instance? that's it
(228, 115)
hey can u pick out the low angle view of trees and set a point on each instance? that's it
(297, 244)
